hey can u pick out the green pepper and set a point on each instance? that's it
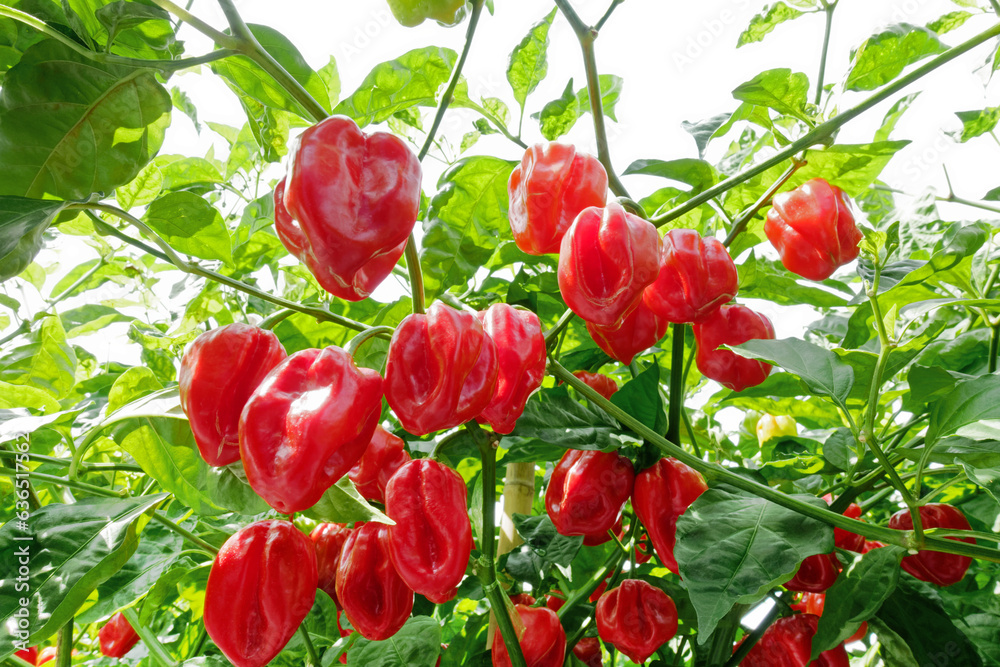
(413, 12)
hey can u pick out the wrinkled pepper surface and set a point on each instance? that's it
(640, 330)
(602, 384)
(520, 363)
(306, 426)
(731, 325)
(933, 566)
(329, 539)
(543, 642)
(662, 493)
(384, 455)
(815, 574)
(117, 637)
(788, 643)
(218, 373)
(637, 618)
(587, 491)
(696, 276)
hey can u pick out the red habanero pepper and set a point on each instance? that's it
(636, 618)
(588, 651)
(814, 603)
(554, 602)
(328, 539)
(352, 200)
(606, 260)
(520, 362)
(29, 655)
(640, 330)
(869, 545)
(261, 586)
(788, 643)
(543, 642)
(548, 190)
(306, 426)
(816, 574)
(597, 539)
(430, 544)
(587, 491)
(731, 325)
(813, 229)
(844, 539)
(219, 371)
(602, 384)
(377, 602)
(934, 566)
(441, 369)
(522, 598)
(382, 458)
(117, 637)
(662, 493)
(696, 276)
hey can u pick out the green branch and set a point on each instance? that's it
(740, 225)
(220, 38)
(829, 9)
(149, 638)
(676, 404)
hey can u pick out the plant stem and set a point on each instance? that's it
(185, 533)
(153, 645)
(488, 569)
(220, 38)
(607, 14)
(716, 474)
(829, 9)
(314, 660)
(676, 404)
(65, 463)
(64, 645)
(996, 6)
(994, 348)
(826, 130)
(561, 324)
(61, 481)
(363, 337)
(416, 275)
(741, 224)
(750, 640)
(722, 639)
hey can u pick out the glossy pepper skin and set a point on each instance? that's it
(731, 325)
(815, 574)
(262, 584)
(662, 493)
(637, 618)
(788, 643)
(29, 655)
(432, 539)
(844, 539)
(602, 384)
(588, 651)
(377, 602)
(351, 200)
(384, 455)
(813, 229)
(543, 642)
(412, 13)
(329, 539)
(117, 637)
(696, 276)
(548, 190)
(306, 426)
(771, 426)
(218, 373)
(441, 369)
(520, 363)
(587, 491)
(607, 258)
(933, 566)
(640, 330)
(814, 603)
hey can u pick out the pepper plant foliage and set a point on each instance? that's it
(893, 382)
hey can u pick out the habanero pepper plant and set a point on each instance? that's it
(263, 386)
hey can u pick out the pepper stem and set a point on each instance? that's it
(364, 337)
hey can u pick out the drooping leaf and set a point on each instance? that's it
(343, 504)
(767, 20)
(47, 362)
(528, 65)
(977, 123)
(553, 422)
(821, 370)
(883, 57)
(779, 89)
(22, 224)
(190, 224)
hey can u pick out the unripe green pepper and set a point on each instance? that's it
(770, 426)
(413, 12)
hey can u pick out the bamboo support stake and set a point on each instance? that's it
(518, 497)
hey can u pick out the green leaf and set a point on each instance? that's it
(71, 127)
(142, 190)
(948, 22)
(527, 65)
(343, 504)
(71, 550)
(121, 15)
(857, 594)
(968, 402)
(190, 224)
(733, 547)
(411, 80)
(702, 131)
(893, 115)
(22, 224)
(465, 221)
(22, 396)
(48, 362)
(767, 279)
(779, 89)
(977, 123)
(417, 644)
(883, 57)
(822, 371)
(553, 422)
(248, 77)
(541, 537)
(131, 385)
(700, 175)
(978, 453)
(90, 319)
(767, 20)
(641, 398)
(559, 116)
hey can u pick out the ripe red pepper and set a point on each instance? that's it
(844, 539)
(352, 200)
(262, 584)
(522, 598)
(117, 637)
(606, 260)
(696, 276)
(814, 603)
(306, 426)
(636, 618)
(869, 545)
(543, 642)
(588, 651)
(432, 539)
(662, 493)
(933, 566)
(548, 190)
(813, 229)
(219, 371)
(788, 643)
(520, 362)
(596, 539)
(328, 539)
(553, 602)
(816, 574)
(731, 325)
(587, 491)
(377, 602)
(29, 655)
(441, 369)
(640, 330)
(383, 457)
(602, 384)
